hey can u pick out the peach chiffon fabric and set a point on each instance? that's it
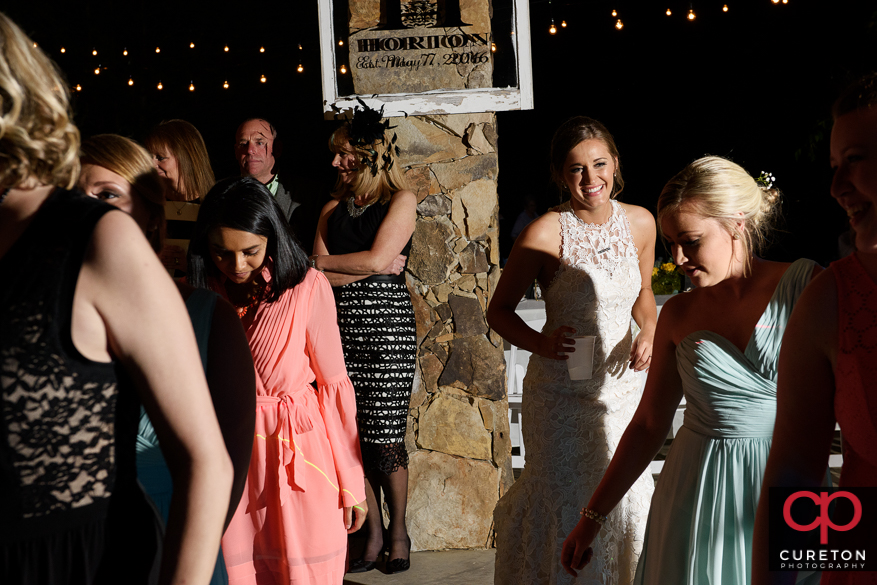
(306, 464)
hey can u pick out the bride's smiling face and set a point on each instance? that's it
(702, 246)
(588, 173)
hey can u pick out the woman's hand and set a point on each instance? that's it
(577, 551)
(641, 350)
(354, 516)
(558, 344)
(396, 266)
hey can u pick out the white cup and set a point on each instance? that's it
(580, 362)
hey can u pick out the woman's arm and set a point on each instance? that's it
(125, 285)
(320, 249)
(534, 255)
(641, 441)
(395, 231)
(644, 311)
(337, 401)
(231, 378)
(805, 419)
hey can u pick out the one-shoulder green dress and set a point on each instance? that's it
(702, 516)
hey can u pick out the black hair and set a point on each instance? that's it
(245, 204)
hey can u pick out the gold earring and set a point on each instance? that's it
(735, 235)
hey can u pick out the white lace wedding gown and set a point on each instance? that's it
(571, 428)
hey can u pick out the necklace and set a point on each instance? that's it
(4, 194)
(253, 299)
(355, 211)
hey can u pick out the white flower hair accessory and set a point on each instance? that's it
(765, 180)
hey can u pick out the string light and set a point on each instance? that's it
(493, 47)
(619, 25)
(97, 70)
(785, 1)
(225, 85)
(191, 86)
(263, 79)
(63, 50)
(94, 52)
(343, 69)
(775, 1)
(563, 23)
(191, 45)
(226, 49)
(725, 8)
(340, 42)
(35, 45)
(130, 81)
(552, 30)
(691, 15)
(159, 86)
(78, 87)
(614, 12)
(261, 49)
(158, 50)
(300, 68)
(669, 12)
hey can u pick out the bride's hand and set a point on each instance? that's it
(641, 351)
(577, 551)
(558, 344)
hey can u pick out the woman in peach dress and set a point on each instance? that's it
(305, 488)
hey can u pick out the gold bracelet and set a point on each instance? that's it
(595, 516)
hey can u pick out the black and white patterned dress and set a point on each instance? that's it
(377, 327)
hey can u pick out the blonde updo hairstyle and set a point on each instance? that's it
(38, 141)
(719, 189)
(389, 177)
(133, 163)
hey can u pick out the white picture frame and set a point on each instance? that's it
(459, 101)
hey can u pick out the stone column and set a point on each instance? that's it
(458, 428)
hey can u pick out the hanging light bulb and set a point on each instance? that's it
(725, 8)
(63, 50)
(263, 79)
(340, 42)
(78, 87)
(226, 49)
(619, 25)
(552, 30)
(785, 1)
(261, 49)
(191, 45)
(669, 12)
(691, 15)
(343, 69)
(125, 52)
(614, 12)
(300, 68)
(157, 50)
(94, 51)
(493, 47)
(130, 81)
(225, 85)
(191, 86)
(160, 86)
(97, 70)
(35, 45)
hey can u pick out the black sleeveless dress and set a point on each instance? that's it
(377, 327)
(70, 508)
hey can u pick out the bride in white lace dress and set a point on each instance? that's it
(593, 257)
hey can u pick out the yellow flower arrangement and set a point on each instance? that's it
(666, 279)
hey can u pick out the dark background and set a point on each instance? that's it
(754, 84)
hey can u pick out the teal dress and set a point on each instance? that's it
(152, 471)
(702, 516)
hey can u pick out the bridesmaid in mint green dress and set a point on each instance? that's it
(718, 346)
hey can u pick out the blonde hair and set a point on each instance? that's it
(186, 144)
(389, 177)
(38, 140)
(130, 161)
(722, 190)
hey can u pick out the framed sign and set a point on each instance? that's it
(420, 57)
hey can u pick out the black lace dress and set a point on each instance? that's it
(377, 326)
(70, 509)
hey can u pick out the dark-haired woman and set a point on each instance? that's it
(362, 244)
(593, 257)
(306, 474)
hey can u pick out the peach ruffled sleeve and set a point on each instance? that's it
(335, 392)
